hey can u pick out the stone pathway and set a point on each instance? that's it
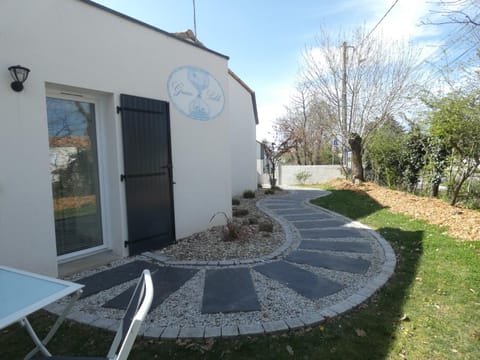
(316, 239)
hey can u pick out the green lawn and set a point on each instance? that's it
(430, 309)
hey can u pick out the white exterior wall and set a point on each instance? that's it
(318, 173)
(78, 46)
(242, 138)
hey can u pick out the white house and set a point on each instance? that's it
(123, 139)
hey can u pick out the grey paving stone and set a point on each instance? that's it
(294, 323)
(192, 333)
(230, 331)
(356, 299)
(104, 323)
(275, 326)
(213, 331)
(283, 206)
(82, 317)
(166, 280)
(55, 308)
(154, 332)
(158, 257)
(312, 319)
(318, 224)
(170, 333)
(112, 277)
(225, 262)
(310, 216)
(366, 292)
(229, 290)
(335, 245)
(328, 312)
(341, 307)
(330, 233)
(295, 211)
(303, 282)
(252, 329)
(328, 261)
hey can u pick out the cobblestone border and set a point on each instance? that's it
(268, 327)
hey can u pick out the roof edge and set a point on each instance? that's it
(151, 27)
(252, 93)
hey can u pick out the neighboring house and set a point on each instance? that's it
(124, 138)
(243, 112)
(262, 165)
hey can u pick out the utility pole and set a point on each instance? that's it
(344, 97)
(195, 21)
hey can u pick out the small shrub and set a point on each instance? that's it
(269, 191)
(231, 231)
(252, 220)
(265, 226)
(235, 201)
(303, 176)
(248, 194)
(240, 212)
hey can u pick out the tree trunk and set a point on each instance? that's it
(355, 142)
(456, 190)
(435, 188)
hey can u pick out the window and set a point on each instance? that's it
(74, 170)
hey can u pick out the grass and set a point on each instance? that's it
(430, 308)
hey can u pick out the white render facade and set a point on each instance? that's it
(81, 53)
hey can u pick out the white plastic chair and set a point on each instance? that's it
(135, 313)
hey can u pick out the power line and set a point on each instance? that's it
(383, 17)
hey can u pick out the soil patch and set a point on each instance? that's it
(461, 223)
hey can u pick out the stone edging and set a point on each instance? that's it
(287, 324)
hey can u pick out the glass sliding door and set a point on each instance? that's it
(74, 174)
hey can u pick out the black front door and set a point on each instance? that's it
(148, 173)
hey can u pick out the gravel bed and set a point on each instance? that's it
(278, 302)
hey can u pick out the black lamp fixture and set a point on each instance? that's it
(19, 75)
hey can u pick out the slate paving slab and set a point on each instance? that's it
(109, 278)
(166, 280)
(310, 216)
(299, 280)
(318, 224)
(329, 233)
(229, 290)
(332, 245)
(295, 210)
(328, 261)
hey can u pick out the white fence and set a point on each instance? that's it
(312, 174)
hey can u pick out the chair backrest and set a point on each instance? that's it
(135, 313)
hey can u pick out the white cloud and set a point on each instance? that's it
(403, 22)
(271, 102)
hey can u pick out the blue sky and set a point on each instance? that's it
(265, 38)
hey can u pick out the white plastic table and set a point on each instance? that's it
(22, 293)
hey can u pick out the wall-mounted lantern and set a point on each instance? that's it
(19, 75)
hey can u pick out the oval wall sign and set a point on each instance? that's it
(195, 93)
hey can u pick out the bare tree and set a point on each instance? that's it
(466, 12)
(305, 123)
(273, 153)
(361, 82)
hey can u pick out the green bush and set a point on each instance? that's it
(240, 212)
(248, 194)
(265, 226)
(235, 201)
(303, 176)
